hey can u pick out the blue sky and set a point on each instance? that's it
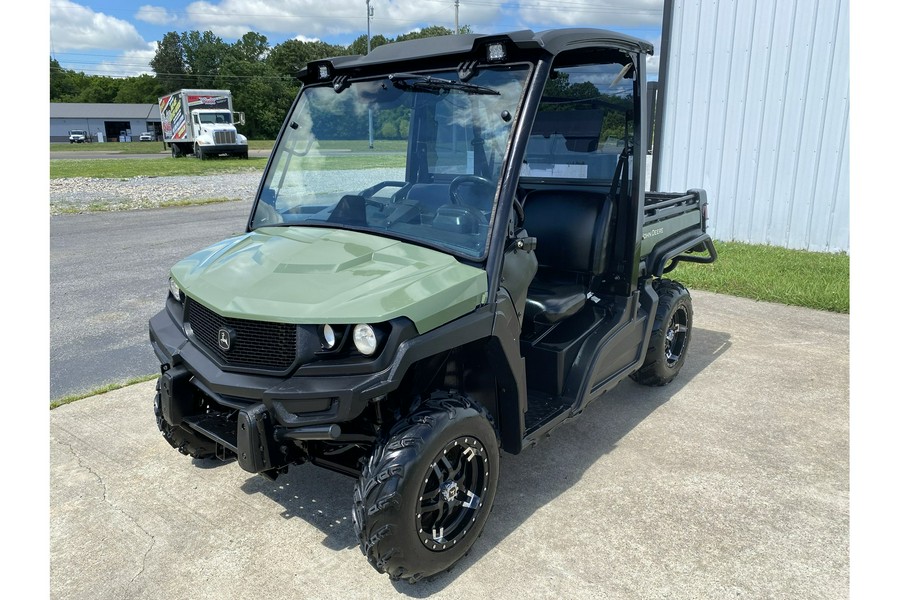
(118, 38)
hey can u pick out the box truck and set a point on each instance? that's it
(202, 123)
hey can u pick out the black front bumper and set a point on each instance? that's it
(247, 433)
(260, 419)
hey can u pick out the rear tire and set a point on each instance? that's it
(671, 335)
(426, 491)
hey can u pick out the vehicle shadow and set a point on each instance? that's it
(529, 480)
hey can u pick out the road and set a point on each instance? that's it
(108, 276)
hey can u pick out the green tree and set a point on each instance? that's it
(358, 46)
(290, 56)
(427, 32)
(203, 56)
(143, 89)
(63, 87)
(264, 101)
(168, 63)
(252, 47)
(99, 90)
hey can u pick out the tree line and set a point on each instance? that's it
(261, 77)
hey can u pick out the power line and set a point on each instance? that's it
(584, 7)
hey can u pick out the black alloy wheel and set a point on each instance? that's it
(676, 336)
(427, 489)
(671, 335)
(452, 494)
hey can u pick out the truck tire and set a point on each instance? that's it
(198, 152)
(424, 494)
(671, 335)
(176, 153)
(179, 438)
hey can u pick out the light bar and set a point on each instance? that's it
(496, 52)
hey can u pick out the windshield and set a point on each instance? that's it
(429, 174)
(222, 117)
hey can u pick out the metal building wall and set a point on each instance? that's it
(757, 114)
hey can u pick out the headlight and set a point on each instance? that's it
(174, 289)
(365, 339)
(329, 337)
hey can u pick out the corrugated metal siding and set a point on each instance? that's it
(757, 115)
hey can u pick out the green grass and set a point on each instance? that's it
(123, 168)
(363, 145)
(138, 147)
(815, 280)
(102, 390)
(106, 207)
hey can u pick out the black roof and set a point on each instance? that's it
(552, 41)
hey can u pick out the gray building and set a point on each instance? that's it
(756, 113)
(104, 122)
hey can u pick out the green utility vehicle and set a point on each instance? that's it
(402, 310)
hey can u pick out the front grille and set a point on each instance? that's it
(254, 344)
(224, 137)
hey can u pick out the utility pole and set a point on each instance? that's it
(661, 94)
(370, 10)
(457, 16)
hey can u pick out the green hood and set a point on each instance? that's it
(309, 275)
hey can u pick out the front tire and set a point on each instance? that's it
(426, 491)
(671, 335)
(184, 441)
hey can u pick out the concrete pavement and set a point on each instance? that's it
(732, 482)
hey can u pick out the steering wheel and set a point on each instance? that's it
(458, 181)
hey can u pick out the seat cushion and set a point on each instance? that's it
(549, 304)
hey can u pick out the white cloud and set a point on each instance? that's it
(303, 38)
(76, 27)
(314, 19)
(653, 61)
(155, 15)
(128, 64)
(602, 14)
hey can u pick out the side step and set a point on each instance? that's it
(544, 412)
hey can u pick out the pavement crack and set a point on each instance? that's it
(84, 465)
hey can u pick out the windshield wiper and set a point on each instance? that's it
(435, 85)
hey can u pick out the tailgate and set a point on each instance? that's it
(674, 228)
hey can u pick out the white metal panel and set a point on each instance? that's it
(757, 115)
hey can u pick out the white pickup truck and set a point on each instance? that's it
(78, 136)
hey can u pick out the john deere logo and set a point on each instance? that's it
(226, 337)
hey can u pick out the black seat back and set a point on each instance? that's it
(429, 197)
(573, 229)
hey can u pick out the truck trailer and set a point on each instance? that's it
(202, 123)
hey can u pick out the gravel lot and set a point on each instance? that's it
(83, 194)
(86, 194)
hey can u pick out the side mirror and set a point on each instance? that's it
(239, 118)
